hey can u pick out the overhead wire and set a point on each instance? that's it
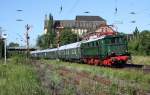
(74, 5)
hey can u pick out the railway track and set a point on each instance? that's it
(144, 68)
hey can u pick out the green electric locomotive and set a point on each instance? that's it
(106, 50)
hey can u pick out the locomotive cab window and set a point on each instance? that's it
(116, 40)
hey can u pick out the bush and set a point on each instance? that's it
(140, 45)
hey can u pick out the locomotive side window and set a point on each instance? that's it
(95, 44)
(92, 44)
(115, 40)
(88, 44)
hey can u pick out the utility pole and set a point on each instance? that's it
(28, 27)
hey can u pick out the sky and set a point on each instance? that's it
(34, 13)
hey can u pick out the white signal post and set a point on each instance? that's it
(5, 46)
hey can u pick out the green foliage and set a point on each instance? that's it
(133, 46)
(67, 37)
(144, 46)
(51, 34)
(19, 79)
(42, 41)
(136, 33)
(20, 59)
(140, 44)
(141, 60)
(47, 40)
(12, 44)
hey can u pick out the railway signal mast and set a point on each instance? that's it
(28, 27)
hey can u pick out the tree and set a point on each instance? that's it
(136, 33)
(51, 34)
(41, 41)
(47, 40)
(144, 46)
(12, 44)
(67, 37)
(141, 43)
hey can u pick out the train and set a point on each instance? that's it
(107, 50)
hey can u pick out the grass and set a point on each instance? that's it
(141, 60)
(130, 80)
(17, 78)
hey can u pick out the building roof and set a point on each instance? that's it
(89, 18)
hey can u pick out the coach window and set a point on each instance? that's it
(74, 51)
(92, 44)
(102, 41)
(84, 45)
(117, 40)
(109, 41)
(121, 40)
(87, 44)
(96, 43)
(112, 41)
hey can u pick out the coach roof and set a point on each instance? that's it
(69, 46)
